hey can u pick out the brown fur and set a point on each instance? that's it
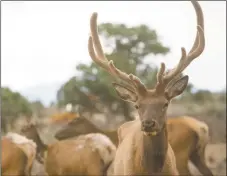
(78, 156)
(182, 135)
(188, 143)
(82, 125)
(30, 152)
(63, 158)
(153, 151)
(140, 159)
(14, 160)
(31, 132)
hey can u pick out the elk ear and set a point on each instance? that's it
(125, 93)
(176, 88)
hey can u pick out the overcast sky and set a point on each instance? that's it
(43, 41)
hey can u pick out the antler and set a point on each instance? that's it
(199, 44)
(163, 78)
(96, 53)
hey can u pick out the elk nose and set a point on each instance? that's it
(148, 124)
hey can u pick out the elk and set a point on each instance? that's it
(80, 126)
(144, 148)
(31, 132)
(14, 160)
(18, 154)
(187, 136)
(86, 155)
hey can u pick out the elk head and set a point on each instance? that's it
(151, 104)
(78, 126)
(29, 130)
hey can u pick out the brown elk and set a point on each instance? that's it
(187, 136)
(86, 155)
(18, 154)
(80, 126)
(31, 132)
(144, 148)
(14, 160)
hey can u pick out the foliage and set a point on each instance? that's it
(13, 104)
(129, 47)
(37, 108)
(202, 96)
(222, 96)
(71, 92)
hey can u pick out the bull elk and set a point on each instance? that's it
(144, 148)
(86, 155)
(187, 136)
(18, 154)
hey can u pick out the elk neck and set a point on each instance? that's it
(153, 150)
(41, 147)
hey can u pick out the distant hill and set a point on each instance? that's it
(46, 93)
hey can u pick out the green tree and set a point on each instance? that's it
(37, 108)
(72, 92)
(129, 47)
(202, 96)
(13, 104)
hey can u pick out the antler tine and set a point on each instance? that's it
(95, 47)
(160, 73)
(200, 22)
(196, 50)
(95, 37)
(104, 63)
(91, 51)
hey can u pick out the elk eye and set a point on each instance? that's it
(136, 106)
(165, 106)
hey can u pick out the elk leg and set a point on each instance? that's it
(199, 161)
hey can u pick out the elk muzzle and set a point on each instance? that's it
(149, 127)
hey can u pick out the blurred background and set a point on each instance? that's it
(47, 74)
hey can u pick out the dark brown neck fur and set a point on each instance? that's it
(92, 128)
(41, 147)
(154, 149)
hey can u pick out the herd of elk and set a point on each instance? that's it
(149, 145)
(187, 136)
(89, 154)
(144, 148)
